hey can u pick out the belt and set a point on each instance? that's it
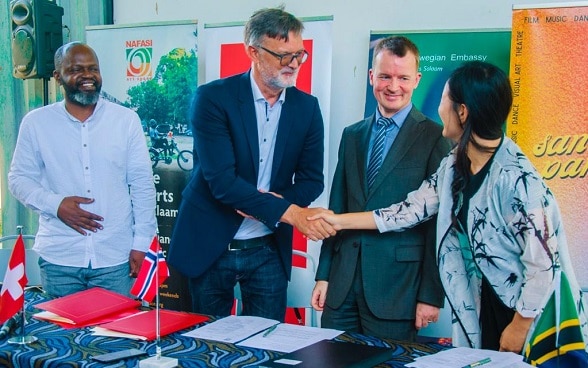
(237, 244)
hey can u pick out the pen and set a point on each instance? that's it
(269, 330)
(478, 363)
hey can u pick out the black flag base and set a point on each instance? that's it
(158, 361)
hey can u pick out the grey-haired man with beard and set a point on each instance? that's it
(82, 164)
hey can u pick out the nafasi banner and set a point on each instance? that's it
(152, 68)
(549, 119)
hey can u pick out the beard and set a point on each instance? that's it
(82, 98)
(279, 80)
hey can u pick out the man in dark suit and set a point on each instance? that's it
(258, 161)
(384, 285)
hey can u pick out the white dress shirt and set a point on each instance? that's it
(268, 118)
(104, 158)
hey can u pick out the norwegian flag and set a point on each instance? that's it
(146, 285)
(15, 279)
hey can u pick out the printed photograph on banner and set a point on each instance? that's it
(440, 54)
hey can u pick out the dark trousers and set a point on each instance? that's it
(261, 278)
(354, 315)
(494, 317)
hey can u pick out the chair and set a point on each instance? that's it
(31, 259)
(301, 285)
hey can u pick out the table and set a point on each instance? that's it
(58, 347)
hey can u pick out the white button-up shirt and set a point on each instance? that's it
(105, 158)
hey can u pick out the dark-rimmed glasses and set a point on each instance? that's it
(286, 59)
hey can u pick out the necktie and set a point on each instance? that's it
(375, 160)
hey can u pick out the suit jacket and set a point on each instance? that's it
(226, 163)
(398, 268)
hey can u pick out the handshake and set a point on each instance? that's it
(315, 223)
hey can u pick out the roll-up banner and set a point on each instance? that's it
(440, 53)
(549, 119)
(224, 55)
(152, 69)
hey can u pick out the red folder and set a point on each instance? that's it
(88, 307)
(143, 324)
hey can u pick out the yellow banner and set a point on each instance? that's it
(549, 119)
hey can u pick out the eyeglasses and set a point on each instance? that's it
(286, 59)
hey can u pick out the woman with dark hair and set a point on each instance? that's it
(500, 236)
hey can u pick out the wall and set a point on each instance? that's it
(353, 21)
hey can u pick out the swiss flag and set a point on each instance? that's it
(15, 279)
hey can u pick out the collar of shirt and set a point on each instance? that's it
(391, 133)
(258, 96)
(398, 118)
(99, 106)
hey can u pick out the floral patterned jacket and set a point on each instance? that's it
(515, 232)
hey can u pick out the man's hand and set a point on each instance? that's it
(136, 258)
(319, 294)
(72, 215)
(425, 314)
(314, 230)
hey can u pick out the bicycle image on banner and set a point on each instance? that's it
(164, 148)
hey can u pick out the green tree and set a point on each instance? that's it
(148, 100)
(166, 97)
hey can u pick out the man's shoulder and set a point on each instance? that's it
(227, 87)
(425, 121)
(359, 125)
(43, 112)
(293, 93)
(223, 82)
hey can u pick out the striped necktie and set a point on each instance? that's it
(377, 150)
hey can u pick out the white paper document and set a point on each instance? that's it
(467, 357)
(100, 331)
(287, 337)
(232, 329)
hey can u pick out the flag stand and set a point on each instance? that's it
(22, 339)
(157, 361)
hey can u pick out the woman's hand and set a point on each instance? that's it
(514, 335)
(326, 215)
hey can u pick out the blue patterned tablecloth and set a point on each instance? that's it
(58, 347)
